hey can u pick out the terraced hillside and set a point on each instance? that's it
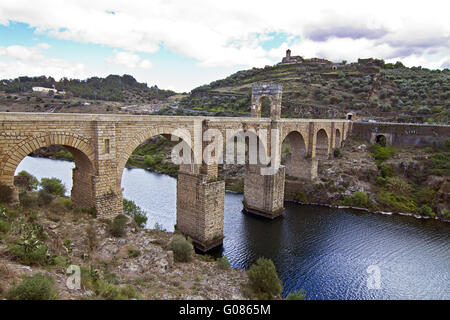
(370, 88)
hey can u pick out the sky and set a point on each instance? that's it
(181, 44)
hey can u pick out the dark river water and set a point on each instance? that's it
(330, 253)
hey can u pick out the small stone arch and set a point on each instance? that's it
(337, 139)
(381, 140)
(271, 91)
(322, 144)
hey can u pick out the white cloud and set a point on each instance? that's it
(29, 61)
(230, 33)
(129, 60)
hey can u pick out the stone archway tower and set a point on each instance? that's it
(273, 92)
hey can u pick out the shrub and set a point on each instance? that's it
(133, 253)
(44, 197)
(301, 196)
(263, 279)
(139, 216)
(424, 196)
(358, 199)
(399, 185)
(395, 202)
(29, 247)
(380, 181)
(386, 170)
(296, 295)
(381, 153)
(6, 193)
(4, 226)
(426, 211)
(183, 250)
(53, 186)
(223, 263)
(66, 202)
(35, 287)
(27, 199)
(337, 152)
(32, 181)
(117, 226)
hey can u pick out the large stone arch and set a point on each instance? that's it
(250, 138)
(322, 144)
(142, 136)
(84, 157)
(295, 161)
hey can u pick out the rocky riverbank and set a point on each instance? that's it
(410, 180)
(138, 265)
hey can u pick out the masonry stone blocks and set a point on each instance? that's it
(102, 144)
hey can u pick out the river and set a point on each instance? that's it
(331, 253)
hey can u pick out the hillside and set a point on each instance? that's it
(113, 94)
(317, 88)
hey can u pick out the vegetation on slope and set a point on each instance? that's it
(385, 91)
(112, 88)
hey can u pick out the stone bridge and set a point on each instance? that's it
(101, 145)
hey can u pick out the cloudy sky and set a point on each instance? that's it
(183, 44)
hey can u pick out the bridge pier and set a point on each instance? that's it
(200, 209)
(298, 167)
(264, 194)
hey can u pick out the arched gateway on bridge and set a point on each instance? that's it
(102, 144)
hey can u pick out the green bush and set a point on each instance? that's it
(395, 202)
(32, 181)
(44, 198)
(380, 181)
(263, 279)
(424, 195)
(53, 186)
(139, 216)
(381, 153)
(4, 226)
(426, 211)
(337, 153)
(386, 170)
(296, 295)
(183, 250)
(223, 263)
(399, 185)
(35, 287)
(28, 199)
(66, 202)
(29, 247)
(358, 199)
(117, 226)
(6, 193)
(301, 196)
(133, 253)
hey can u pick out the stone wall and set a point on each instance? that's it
(402, 134)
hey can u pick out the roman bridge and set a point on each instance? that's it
(101, 144)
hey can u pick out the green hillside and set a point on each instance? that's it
(112, 88)
(370, 88)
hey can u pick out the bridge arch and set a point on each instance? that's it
(250, 152)
(84, 157)
(140, 138)
(338, 139)
(322, 144)
(381, 140)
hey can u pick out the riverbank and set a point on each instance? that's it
(137, 265)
